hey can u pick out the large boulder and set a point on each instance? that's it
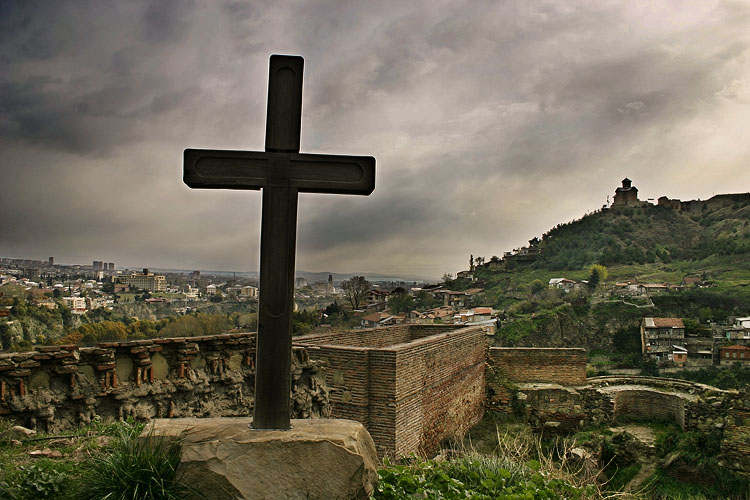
(317, 459)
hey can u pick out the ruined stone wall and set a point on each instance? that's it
(425, 387)
(60, 387)
(695, 407)
(649, 405)
(697, 206)
(735, 448)
(531, 364)
(551, 406)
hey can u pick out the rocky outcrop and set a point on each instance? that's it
(60, 387)
(317, 459)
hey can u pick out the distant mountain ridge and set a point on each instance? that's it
(319, 276)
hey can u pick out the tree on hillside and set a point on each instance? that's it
(401, 303)
(355, 290)
(424, 300)
(597, 275)
(333, 308)
(537, 286)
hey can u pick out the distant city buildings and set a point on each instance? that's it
(76, 304)
(144, 281)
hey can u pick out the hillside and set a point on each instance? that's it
(647, 233)
(642, 242)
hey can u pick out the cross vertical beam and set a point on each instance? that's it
(278, 237)
(282, 172)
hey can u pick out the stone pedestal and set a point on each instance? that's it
(317, 459)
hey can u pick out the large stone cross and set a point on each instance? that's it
(282, 172)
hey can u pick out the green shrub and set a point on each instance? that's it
(35, 482)
(473, 476)
(133, 469)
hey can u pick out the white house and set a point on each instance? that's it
(562, 283)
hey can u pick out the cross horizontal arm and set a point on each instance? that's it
(309, 173)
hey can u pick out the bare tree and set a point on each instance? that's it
(355, 290)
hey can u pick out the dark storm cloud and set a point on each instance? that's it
(167, 20)
(491, 121)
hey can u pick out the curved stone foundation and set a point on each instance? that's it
(650, 405)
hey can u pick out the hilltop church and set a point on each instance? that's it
(626, 194)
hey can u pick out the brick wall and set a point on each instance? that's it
(650, 405)
(412, 386)
(439, 388)
(370, 338)
(60, 387)
(530, 364)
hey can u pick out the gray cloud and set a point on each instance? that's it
(491, 122)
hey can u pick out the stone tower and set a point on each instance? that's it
(626, 194)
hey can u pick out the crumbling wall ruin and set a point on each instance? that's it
(60, 387)
(412, 386)
(565, 366)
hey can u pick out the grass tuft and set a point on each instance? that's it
(133, 469)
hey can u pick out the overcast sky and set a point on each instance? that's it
(491, 121)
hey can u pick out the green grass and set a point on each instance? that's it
(623, 476)
(663, 486)
(479, 477)
(133, 469)
(102, 461)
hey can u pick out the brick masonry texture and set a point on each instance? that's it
(60, 387)
(412, 386)
(548, 365)
(650, 405)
